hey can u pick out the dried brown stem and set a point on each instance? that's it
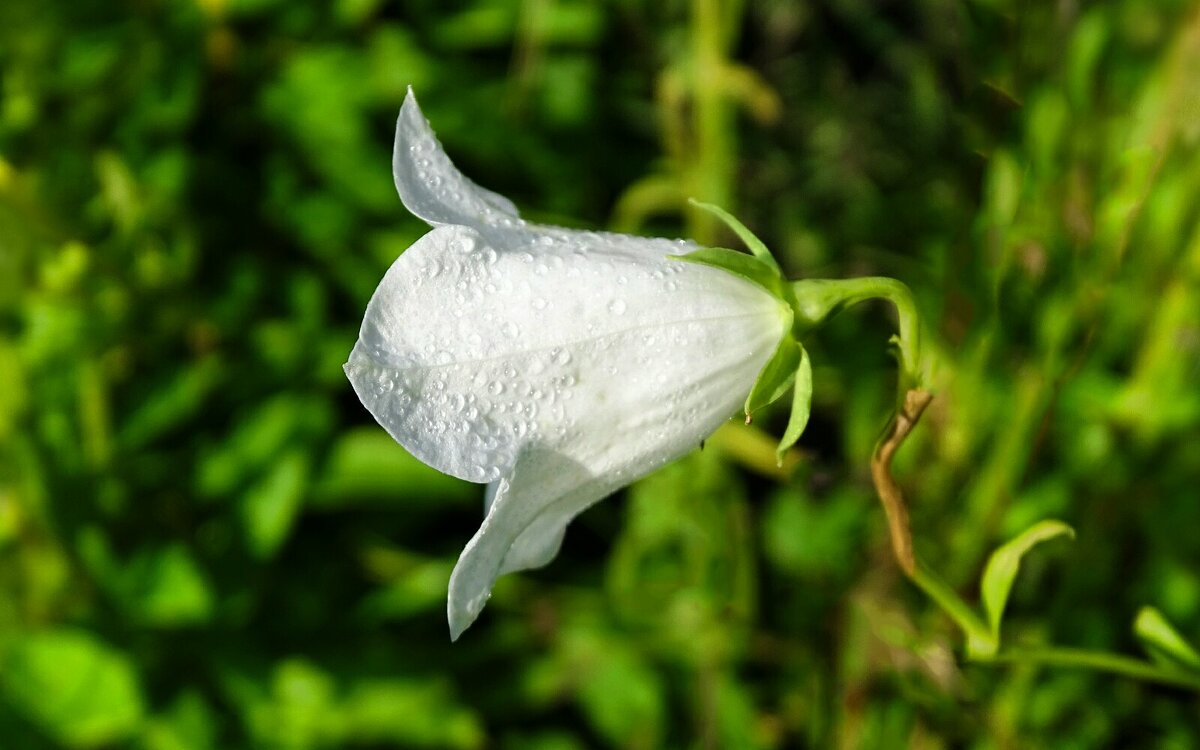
(905, 419)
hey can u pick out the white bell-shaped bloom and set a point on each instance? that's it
(556, 365)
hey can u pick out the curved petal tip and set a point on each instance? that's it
(429, 184)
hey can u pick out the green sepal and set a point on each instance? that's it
(1163, 642)
(801, 405)
(1002, 567)
(777, 375)
(748, 267)
(753, 243)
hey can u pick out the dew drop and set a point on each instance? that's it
(562, 357)
(384, 384)
(496, 388)
(539, 304)
(617, 307)
(510, 329)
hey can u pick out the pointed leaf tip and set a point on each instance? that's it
(801, 405)
(777, 375)
(1163, 641)
(751, 240)
(1002, 567)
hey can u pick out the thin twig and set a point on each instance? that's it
(906, 418)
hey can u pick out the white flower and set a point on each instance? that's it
(555, 365)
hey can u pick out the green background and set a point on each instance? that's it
(206, 543)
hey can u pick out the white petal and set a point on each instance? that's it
(542, 480)
(430, 186)
(489, 495)
(433, 189)
(467, 354)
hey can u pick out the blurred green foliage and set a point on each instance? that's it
(205, 543)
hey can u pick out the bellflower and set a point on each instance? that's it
(554, 365)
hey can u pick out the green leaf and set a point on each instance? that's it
(367, 467)
(801, 406)
(171, 405)
(157, 586)
(753, 243)
(270, 507)
(1163, 641)
(407, 713)
(167, 587)
(748, 267)
(1004, 563)
(619, 693)
(776, 376)
(80, 690)
(188, 724)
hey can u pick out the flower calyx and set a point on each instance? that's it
(789, 366)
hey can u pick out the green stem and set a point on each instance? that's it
(981, 644)
(979, 636)
(820, 299)
(1125, 666)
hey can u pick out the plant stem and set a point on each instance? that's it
(890, 496)
(819, 299)
(979, 637)
(1125, 666)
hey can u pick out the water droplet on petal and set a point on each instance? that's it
(496, 388)
(617, 307)
(539, 304)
